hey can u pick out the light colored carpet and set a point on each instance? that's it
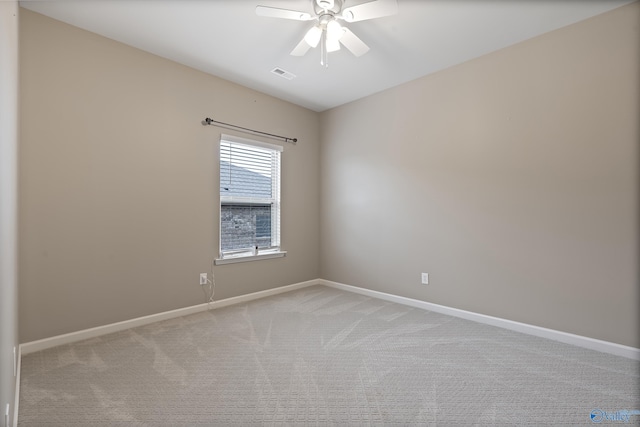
(321, 356)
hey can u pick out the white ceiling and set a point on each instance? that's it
(226, 38)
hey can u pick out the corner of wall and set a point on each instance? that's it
(8, 210)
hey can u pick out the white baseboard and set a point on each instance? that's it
(43, 344)
(564, 337)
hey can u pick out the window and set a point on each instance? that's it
(249, 199)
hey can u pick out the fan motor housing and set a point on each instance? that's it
(334, 6)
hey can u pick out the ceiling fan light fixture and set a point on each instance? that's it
(334, 30)
(333, 45)
(313, 36)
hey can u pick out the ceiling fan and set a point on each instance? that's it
(327, 30)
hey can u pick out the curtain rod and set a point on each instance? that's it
(212, 122)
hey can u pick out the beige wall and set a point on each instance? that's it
(511, 179)
(118, 182)
(8, 203)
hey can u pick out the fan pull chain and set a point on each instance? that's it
(324, 57)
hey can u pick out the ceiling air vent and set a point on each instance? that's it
(284, 74)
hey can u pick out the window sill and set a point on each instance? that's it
(231, 259)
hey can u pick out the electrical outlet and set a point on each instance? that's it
(425, 278)
(203, 278)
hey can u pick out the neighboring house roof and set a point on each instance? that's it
(241, 182)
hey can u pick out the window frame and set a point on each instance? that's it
(242, 255)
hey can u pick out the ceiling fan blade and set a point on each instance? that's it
(274, 12)
(300, 49)
(353, 43)
(370, 10)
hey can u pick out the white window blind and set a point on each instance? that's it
(249, 196)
